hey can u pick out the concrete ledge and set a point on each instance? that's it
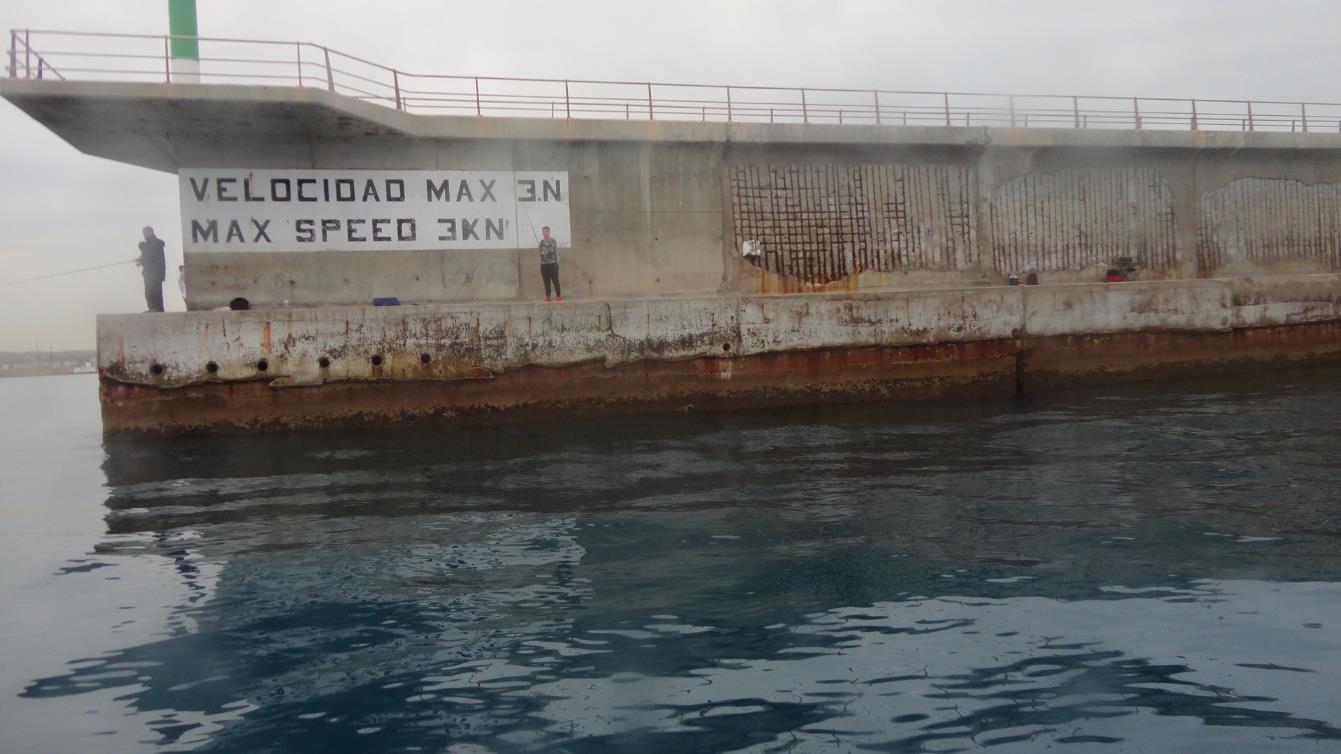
(981, 368)
(1164, 306)
(853, 374)
(1272, 301)
(480, 341)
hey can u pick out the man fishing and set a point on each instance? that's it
(153, 268)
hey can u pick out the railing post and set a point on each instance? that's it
(805, 109)
(41, 61)
(298, 53)
(167, 61)
(1251, 125)
(1011, 99)
(1303, 115)
(1136, 112)
(840, 116)
(1194, 115)
(728, 105)
(478, 110)
(650, 114)
(1075, 111)
(395, 82)
(946, 95)
(27, 54)
(876, 95)
(330, 80)
(568, 104)
(13, 54)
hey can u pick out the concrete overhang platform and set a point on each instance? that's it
(142, 124)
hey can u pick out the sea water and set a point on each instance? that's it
(1144, 568)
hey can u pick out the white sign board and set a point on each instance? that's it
(371, 210)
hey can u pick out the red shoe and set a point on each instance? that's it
(547, 299)
(559, 299)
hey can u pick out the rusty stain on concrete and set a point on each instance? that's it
(658, 354)
(976, 369)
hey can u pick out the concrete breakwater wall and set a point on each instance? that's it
(366, 365)
(704, 264)
(683, 209)
(658, 208)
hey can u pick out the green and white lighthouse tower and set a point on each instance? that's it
(185, 44)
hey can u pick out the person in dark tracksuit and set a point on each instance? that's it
(549, 264)
(153, 268)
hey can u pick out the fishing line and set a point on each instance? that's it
(69, 272)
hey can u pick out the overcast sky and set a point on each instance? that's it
(62, 210)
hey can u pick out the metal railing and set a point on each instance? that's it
(91, 56)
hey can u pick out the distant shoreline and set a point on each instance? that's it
(55, 372)
(46, 363)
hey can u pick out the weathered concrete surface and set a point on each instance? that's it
(881, 254)
(1257, 223)
(388, 365)
(469, 341)
(1071, 361)
(1074, 220)
(1267, 301)
(1199, 306)
(546, 392)
(663, 207)
(76, 109)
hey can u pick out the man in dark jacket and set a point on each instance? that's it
(153, 268)
(549, 264)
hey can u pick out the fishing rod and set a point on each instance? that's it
(529, 221)
(69, 272)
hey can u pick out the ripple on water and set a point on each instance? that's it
(1122, 568)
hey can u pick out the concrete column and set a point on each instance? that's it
(1181, 174)
(985, 239)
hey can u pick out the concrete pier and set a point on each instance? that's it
(704, 264)
(342, 366)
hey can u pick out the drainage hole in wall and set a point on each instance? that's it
(262, 365)
(324, 362)
(211, 367)
(156, 369)
(726, 348)
(377, 360)
(424, 358)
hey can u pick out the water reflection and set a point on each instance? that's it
(1121, 568)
